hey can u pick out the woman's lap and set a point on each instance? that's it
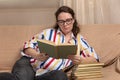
(22, 70)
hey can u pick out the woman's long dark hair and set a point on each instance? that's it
(66, 9)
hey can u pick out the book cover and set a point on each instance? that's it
(91, 65)
(88, 77)
(87, 74)
(89, 68)
(56, 50)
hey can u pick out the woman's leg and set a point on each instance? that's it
(6, 76)
(53, 75)
(22, 70)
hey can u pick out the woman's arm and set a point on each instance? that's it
(86, 53)
(36, 55)
(78, 60)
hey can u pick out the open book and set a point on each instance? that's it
(56, 50)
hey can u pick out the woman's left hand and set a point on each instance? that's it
(75, 59)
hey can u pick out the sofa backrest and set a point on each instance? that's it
(12, 39)
(104, 38)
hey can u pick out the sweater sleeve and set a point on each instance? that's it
(87, 50)
(55, 64)
(32, 43)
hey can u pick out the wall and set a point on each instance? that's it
(41, 16)
(87, 12)
(95, 11)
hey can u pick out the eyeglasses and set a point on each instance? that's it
(67, 21)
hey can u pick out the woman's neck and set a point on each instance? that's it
(68, 37)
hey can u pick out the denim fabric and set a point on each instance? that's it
(53, 75)
(22, 70)
(6, 76)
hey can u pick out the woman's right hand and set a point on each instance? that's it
(33, 53)
(41, 56)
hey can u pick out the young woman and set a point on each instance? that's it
(45, 67)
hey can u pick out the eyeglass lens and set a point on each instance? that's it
(67, 21)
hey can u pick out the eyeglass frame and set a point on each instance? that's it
(62, 22)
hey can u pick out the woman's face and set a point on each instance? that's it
(65, 22)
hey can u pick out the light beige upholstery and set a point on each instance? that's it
(104, 38)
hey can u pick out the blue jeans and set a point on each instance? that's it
(22, 70)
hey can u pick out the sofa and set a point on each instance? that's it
(105, 38)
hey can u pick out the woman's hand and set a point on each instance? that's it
(75, 59)
(41, 56)
(33, 53)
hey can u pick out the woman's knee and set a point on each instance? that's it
(23, 61)
(23, 70)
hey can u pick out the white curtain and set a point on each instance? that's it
(95, 11)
